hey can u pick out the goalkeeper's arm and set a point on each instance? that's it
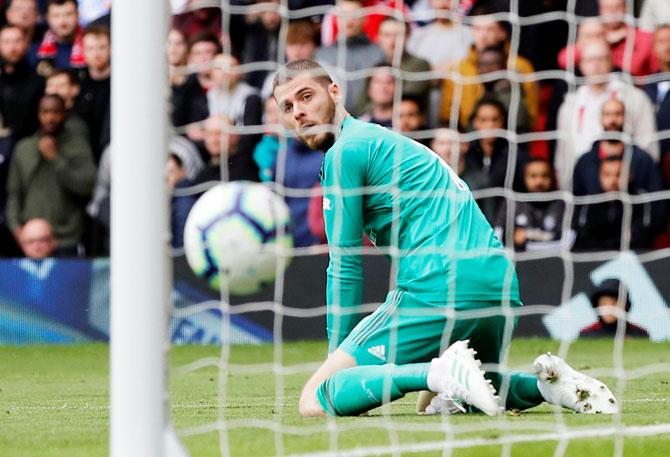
(343, 178)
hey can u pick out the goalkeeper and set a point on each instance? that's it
(453, 280)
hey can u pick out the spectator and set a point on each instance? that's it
(301, 43)
(619, 34)
(92, 104)
(262, 40)
(64, 84)
(590, 29)
(491, 60)
(453, 37)
(611, 28)
(537, 224)
(62, 46)
(642, 168)
(37, 239)
(610, 306)
(381, 90)
(25, 15)
(659, 92)
(487, 32)
(411, 119)
(189, 100)
(198, 20)
(240, 163)
(378, 12)
(392, 35)
(183, 165)
(177, 55)
(360, 53)
(51, 176)
(20, 87)
(486, 160)
(600, 226)
(579, 117)
(234, 98)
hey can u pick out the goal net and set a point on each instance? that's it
(245, 388)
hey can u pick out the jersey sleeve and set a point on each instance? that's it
(344, 175)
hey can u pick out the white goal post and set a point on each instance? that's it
(140, 262)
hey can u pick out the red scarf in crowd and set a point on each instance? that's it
(48, 48)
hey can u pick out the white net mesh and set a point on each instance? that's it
(402, 436)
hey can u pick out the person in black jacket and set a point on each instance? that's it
(486, 160)
(261, 43)
(189, 100)
(92, 104)
(600, 226)
(240, 163)
(20, 86)
(536, 224)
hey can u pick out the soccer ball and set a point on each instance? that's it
(235, 235)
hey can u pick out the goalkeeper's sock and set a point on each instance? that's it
(359, 389)
(523, 392)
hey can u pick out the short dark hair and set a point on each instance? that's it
(206, 37)
(61, 2)
(418, 101)
(300, 31)
(484, 10)
(70, 76)
(98, 29)
(296, 67)
(488, 100)
(56, 97)
(536, 159)
(488, 10)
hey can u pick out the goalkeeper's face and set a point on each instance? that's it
(307, 106)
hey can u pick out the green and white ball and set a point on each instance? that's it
(235, 236)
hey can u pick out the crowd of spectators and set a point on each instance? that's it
(454, 75)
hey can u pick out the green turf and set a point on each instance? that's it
(54, 402)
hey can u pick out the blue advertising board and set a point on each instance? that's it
(61, 301)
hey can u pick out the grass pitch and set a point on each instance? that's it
(54, 401)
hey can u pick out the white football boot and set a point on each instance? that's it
(457, 378)
(562, 385)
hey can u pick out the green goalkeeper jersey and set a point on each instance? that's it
(403, 196)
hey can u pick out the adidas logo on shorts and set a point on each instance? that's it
(378, 351)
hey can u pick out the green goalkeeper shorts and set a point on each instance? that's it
(405, 329)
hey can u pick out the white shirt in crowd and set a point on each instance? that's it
(439, 44)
